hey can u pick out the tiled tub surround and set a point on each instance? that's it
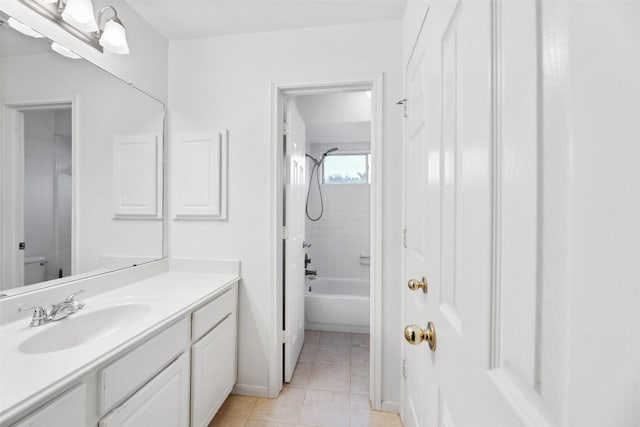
(342, 234)
(330, 388)
(31, 378)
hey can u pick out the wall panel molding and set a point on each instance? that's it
(201, 164)
(137, 176)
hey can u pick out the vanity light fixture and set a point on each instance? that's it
(78, 18)
(58, 48)
(113, 37)
(79, 13)
(20, 27)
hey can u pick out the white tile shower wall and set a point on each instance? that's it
(342, 234)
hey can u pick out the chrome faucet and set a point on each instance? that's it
(68, 306)
(59, 311)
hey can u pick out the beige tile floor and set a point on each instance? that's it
(330, 388)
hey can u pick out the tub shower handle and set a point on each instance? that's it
(414, 285)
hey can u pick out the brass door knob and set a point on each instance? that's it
(414, 285)
(414, 334)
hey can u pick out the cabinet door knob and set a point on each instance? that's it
(414, 285)
(414, 335)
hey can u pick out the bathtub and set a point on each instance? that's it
(338, 305)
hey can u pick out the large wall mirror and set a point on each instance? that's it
(81, 175)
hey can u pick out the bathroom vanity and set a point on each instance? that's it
(158, 348)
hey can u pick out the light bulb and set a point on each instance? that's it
(79, 13)
(58, 48)
(27, 31)
(114, 37)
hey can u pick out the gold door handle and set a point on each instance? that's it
(414, 285)
(414, 334)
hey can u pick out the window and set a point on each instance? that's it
(346, 169)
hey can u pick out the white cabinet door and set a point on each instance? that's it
(214, 371)
(68, 410)
(164, 401)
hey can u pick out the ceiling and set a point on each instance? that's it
(339, 133)
(185, 19)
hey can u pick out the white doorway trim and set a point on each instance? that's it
(279, 91)
(22, 105)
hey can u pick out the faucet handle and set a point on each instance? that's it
(38, 308)
(72, 297)
(39, 315)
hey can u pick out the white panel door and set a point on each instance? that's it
(421, 177)
(449, 219)
(294, 251)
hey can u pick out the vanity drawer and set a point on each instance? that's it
(205, 318)
(131, 371)
(67, 410)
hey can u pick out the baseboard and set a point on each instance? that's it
(250, 390)
(389, 406)
(328, 327)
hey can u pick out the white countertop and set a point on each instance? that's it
(26, 379)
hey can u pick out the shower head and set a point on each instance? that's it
(319, 162)
(330, 150)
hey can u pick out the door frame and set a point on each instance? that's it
(279, 91)
(29, 104)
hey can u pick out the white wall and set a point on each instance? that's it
(335, 108)
(225, 82)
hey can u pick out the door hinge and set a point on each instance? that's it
(22, 246)
(285, 337)
(404, 237)
(403, 102)
(286, 129)
(285, 232)
(404, 368)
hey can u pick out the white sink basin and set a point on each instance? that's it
(83, 328)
